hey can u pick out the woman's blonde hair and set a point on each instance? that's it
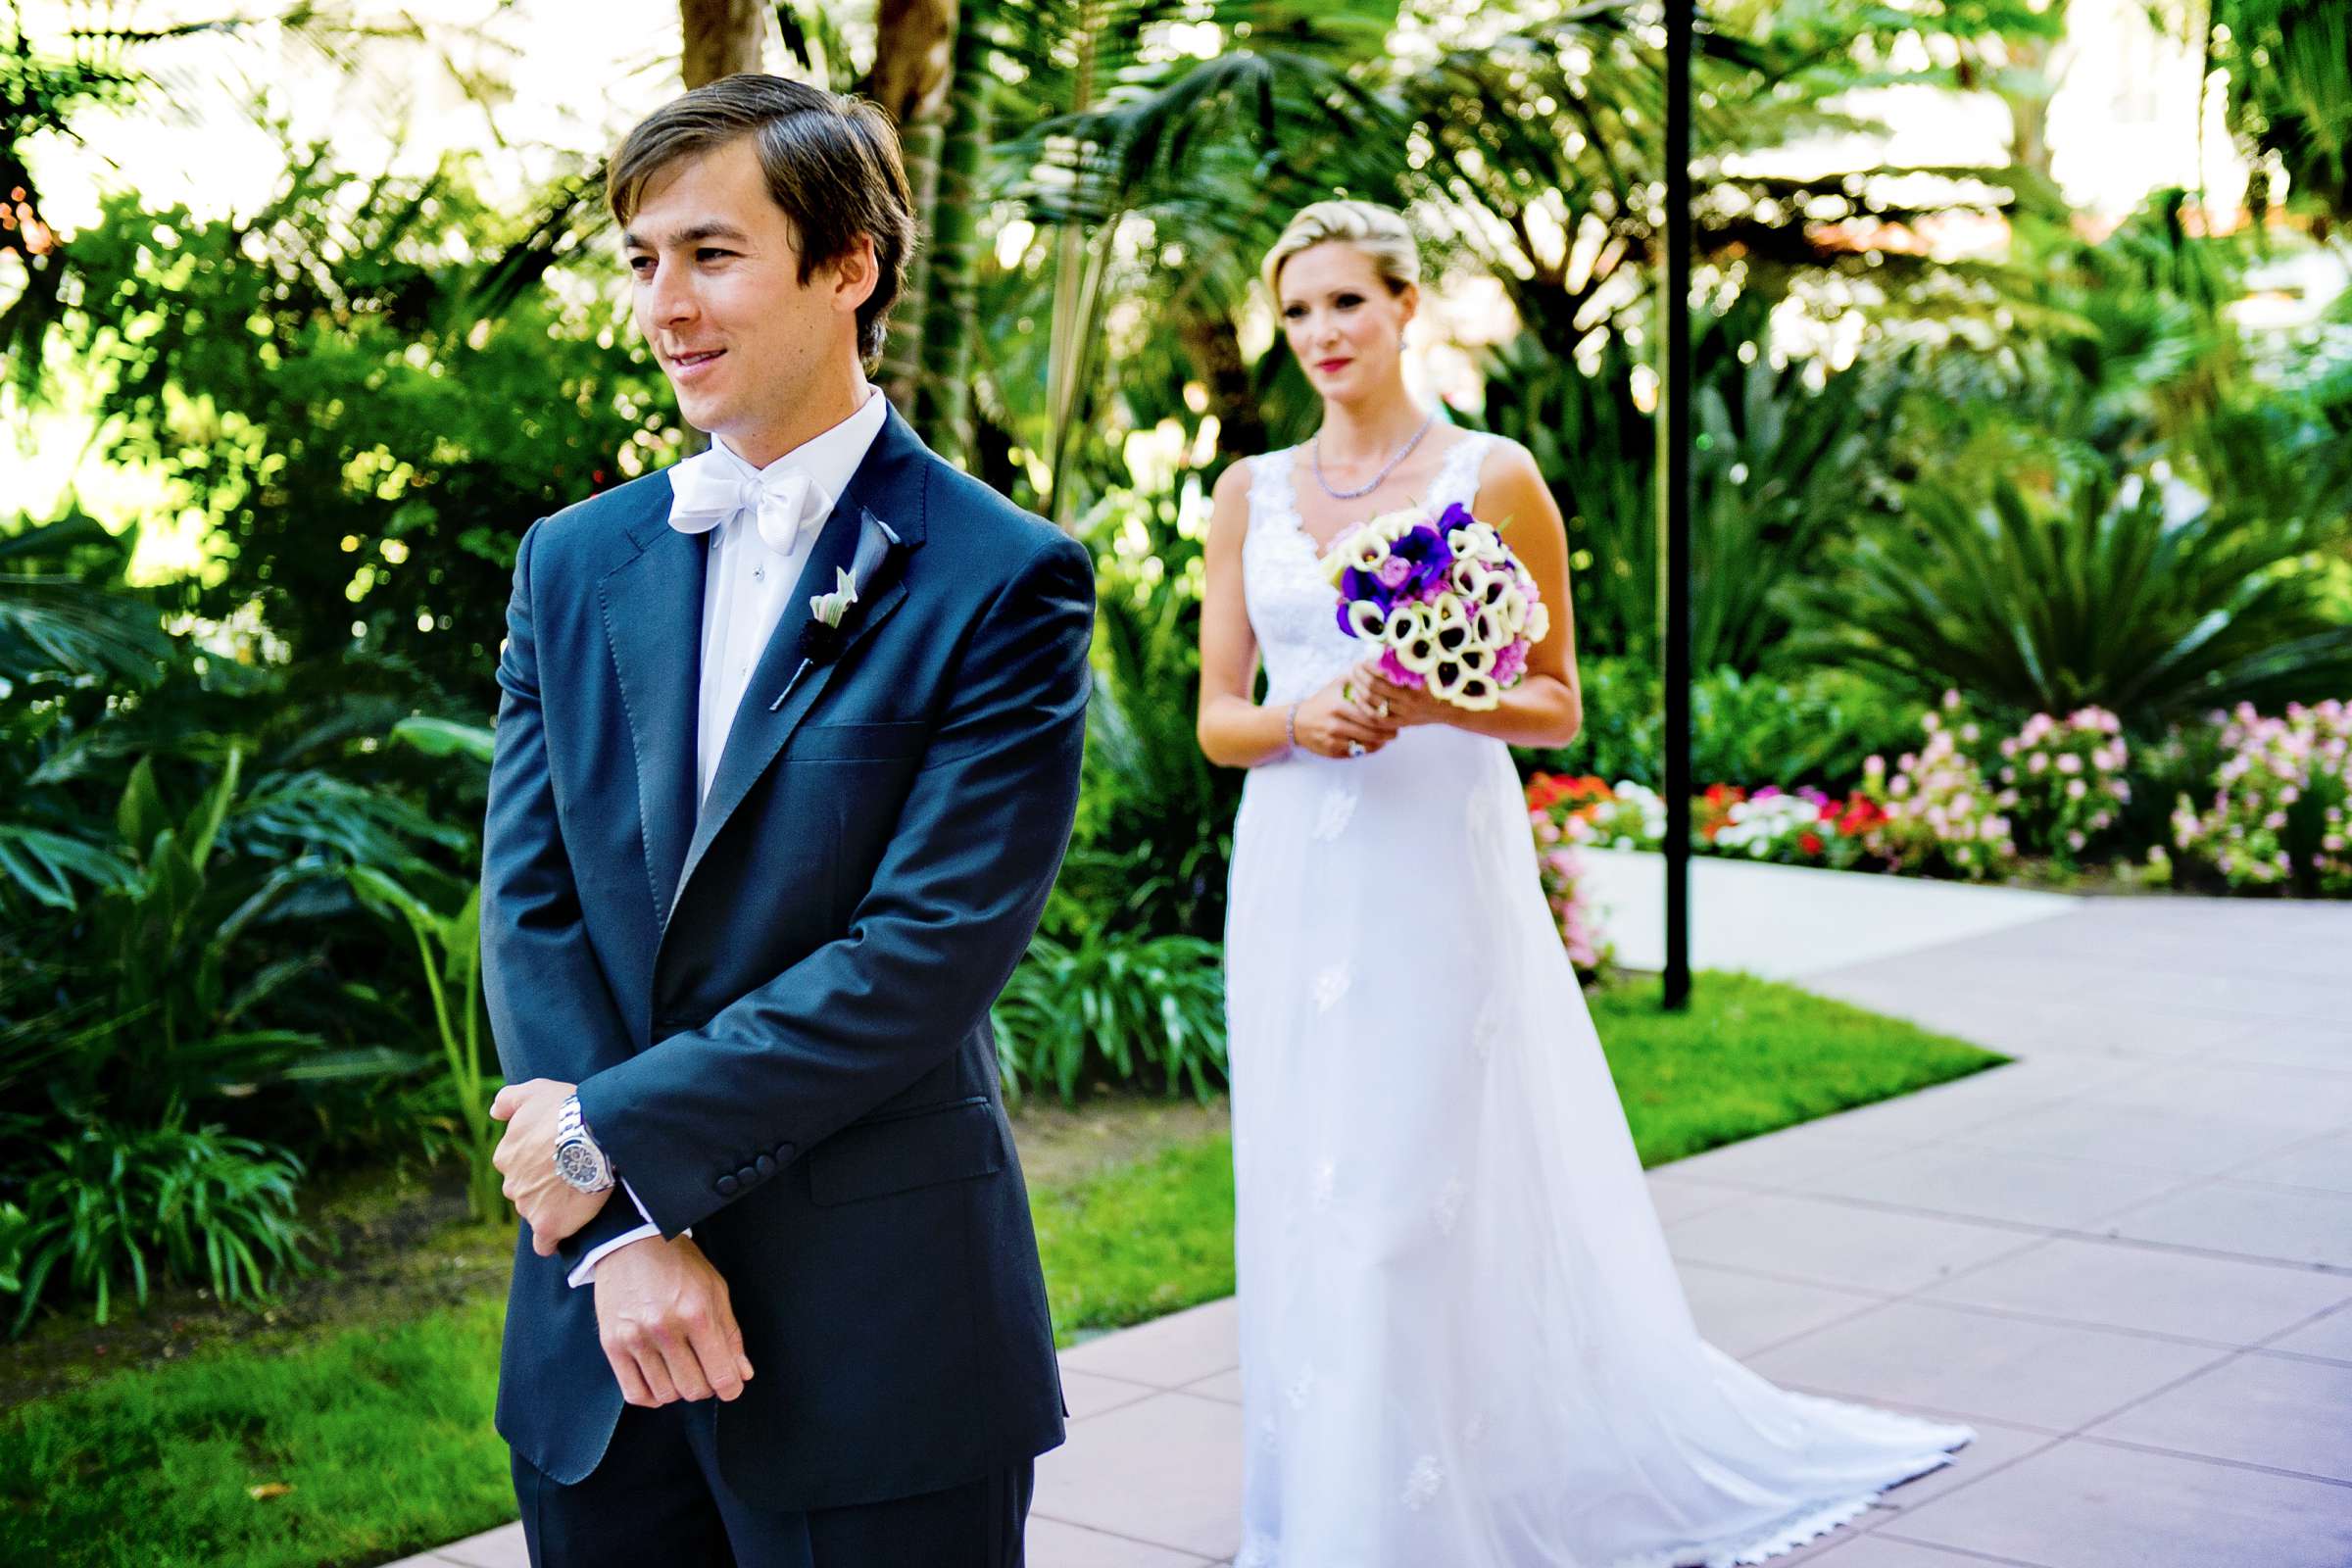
(1380, 232)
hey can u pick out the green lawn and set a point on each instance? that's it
(381, 1437)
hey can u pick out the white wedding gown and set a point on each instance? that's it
(1464, 1343)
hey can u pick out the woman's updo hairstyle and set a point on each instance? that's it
(1380, 232)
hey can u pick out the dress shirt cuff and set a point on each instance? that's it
(584, 1272)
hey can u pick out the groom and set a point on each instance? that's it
(787, 760)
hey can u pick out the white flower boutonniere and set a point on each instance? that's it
(828, 608)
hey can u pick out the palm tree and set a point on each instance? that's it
(2289, 67)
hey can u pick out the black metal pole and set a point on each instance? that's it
(1674, 470)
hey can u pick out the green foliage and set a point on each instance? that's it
(113, 1205)
(448, 954)
(2090, 597)
(1779, 465)
(1114, 1005)
(1747, 730)
(63, 619)
(2289, 67)
(1154, 830)
(369, 393)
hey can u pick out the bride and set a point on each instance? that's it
(1464, 1343)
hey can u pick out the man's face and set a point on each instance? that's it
(718, 297)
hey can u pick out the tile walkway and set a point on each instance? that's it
(2126, 1259)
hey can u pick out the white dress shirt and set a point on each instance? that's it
(744, 594)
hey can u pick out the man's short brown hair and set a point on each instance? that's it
(831, 163)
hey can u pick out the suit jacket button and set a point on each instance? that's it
(766, 1167)
(747, 1174)
(784, 1153)
(726, 1185)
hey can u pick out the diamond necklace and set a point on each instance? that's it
(1315, 453)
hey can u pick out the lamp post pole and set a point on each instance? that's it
(1674, 500)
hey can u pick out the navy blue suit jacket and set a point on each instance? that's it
(776, 1008)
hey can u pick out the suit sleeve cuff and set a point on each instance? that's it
(584, 1272)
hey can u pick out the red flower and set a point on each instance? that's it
(1810, 842)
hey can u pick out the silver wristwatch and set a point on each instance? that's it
(577, 1159)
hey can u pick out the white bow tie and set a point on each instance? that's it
(707, 489)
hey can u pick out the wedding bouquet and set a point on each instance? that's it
(1454, 612)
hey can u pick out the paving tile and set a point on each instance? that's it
(1972, 1364)
(2324, 1163)
(503, 1547)
(1675, 1199)
(1167, 1353)
(1226, 1385)
(1950, 1111)
(2191, 1142)
(1166, 1471)
(1051, 1544)
(2256, 1409)
(2151, 1289)
(1880, 1551)
(2305, 1102)
(1742, 1313)
(2292, 1225)
(1996, 1445)
(1770, 1163)
(1090, 1394)
(2083, 1504)
(1826, 1242)
(2330, 1335)
(1972, 1184)
(2324, 1046)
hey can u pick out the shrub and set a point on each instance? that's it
(2278, 816)
(2133, 594)
(1121, 1006)
(2062, 780)
(1940, 811)
(112, 1205)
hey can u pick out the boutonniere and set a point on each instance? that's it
(832, 614)
(828, 608)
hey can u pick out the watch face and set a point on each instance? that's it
(577, 1164)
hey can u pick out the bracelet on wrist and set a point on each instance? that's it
(1290, 726)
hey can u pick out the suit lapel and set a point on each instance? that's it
(888, 484)
(652, 606)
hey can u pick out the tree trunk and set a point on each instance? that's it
(912, 81)
(913, 43)
(2026, 87)
(721, 37)
(943, 391)
(1215, 350)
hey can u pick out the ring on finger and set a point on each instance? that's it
(1382, 708)
(1355, 748)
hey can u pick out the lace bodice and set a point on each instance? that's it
(1293, 609)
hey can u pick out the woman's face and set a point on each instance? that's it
(1340, 320)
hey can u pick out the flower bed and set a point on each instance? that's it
(2051, 796)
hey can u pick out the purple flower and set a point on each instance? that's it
(1355, 583)
(1455, 517)
(1346, 625)
(1392, 571)
(1430, 558)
